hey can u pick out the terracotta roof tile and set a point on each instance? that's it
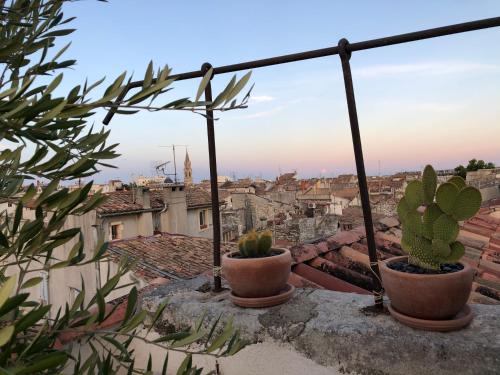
(346, 193)
(342, 238)
(167, 254)
(327, 281)
(303, 253)
(301, 282)
(126, 200)
(197, 197)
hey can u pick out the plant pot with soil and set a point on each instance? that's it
(258, 273)
(430, 287)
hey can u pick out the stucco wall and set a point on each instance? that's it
(174, 219)
(490, 193)
(193, 223)
(61, 280)
(133, 225)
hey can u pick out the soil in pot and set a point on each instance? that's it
(404, 266)
(237, 255)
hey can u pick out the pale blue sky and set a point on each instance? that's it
(433, 101)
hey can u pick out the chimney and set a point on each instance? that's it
(143, 197)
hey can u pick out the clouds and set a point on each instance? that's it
(425, 68)
(261, 98)
(260, 114)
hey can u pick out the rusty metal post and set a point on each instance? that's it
(213, 185)
(345, 56)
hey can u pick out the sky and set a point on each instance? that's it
(434, 101)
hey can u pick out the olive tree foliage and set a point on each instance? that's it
(45, 135)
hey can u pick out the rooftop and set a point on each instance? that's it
(171, 256)
(128, 201)
(197, 197)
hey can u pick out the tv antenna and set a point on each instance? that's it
(161, 168)
(175, 164)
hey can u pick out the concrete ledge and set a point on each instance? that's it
(332, 330)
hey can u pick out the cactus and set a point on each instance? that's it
(255, 245)
(430, 238)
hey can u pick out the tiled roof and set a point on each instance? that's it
(166, 255)
(346, 193)
(341, 262)
(481, 237)
(126, 200)
(243, 183)
(286, 178)
(197, 197)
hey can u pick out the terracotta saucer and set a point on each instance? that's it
(280, 298)
(462, 319)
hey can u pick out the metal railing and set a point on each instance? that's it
(344, 49)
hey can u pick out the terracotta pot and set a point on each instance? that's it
(432, 297)
(257, 277)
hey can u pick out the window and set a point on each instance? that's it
(203, 219)
(116, 231)
(156, 223)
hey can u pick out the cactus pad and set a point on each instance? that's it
(458, 181)
(414, 195)
(445, 229)
(431, 214)
(403, 209)
(440, 249)
(468, 203)
(429, 184)
(414, 223)
(446, 195)
(457, 251)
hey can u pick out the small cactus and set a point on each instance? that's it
(255, 245)
(430, 238)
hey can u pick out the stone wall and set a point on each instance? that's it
(307, 229)
(303, 229)
(288, 230)
(325, 332)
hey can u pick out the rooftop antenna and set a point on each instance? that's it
(379, 168)
(175, 164)
(161, 168)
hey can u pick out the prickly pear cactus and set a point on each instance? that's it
(254, 245)
(429, 235)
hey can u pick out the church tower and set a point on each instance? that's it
(188, 172)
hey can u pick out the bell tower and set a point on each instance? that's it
(188, 171)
